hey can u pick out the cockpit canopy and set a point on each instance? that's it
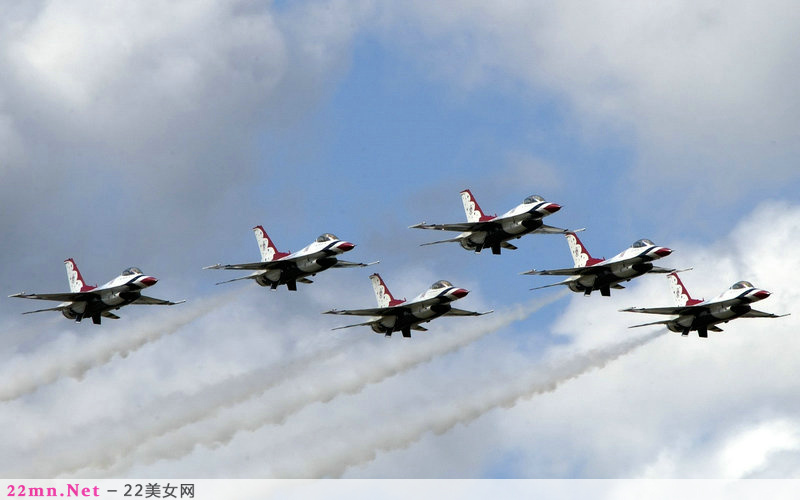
(441, 284)
(322, 238)
(642, 243)
(742, 284)
(534, 198)
(132, 271)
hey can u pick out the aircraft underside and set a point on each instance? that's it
(409, 321)
(99, 308)
(273, 278)
(605, 281)
(706, 321)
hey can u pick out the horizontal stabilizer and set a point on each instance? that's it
(419, 328)
(508, 246)
(109, 315)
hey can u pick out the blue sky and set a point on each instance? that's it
(161, 140)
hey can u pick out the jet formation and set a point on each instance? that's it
(480, 231)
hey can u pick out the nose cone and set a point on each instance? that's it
(663, 251)
(148, 281)
(345, 246)
(552, 208)
(459, 293)
(761, 294)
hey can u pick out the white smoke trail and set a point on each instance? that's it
(73, 358)
(182, 440)
(164, 415)
(364, 445)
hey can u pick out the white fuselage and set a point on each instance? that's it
(425, 307)
(726, 306)
(308, 261)
(118, 292)
(624, 266)
(517, 222)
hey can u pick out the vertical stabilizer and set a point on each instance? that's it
(382, 293)
(679, 292)
(579, 253)
(265, 245)
(472, 209)
(76, 282)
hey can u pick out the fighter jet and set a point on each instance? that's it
(700, 315)
(93, 301)
(393, 315)
(490, 231)
(282, 268)
(591, 274)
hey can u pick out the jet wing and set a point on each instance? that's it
(675, 310)
(344, 263)
(665, 322)
(752, 313)
(565, 282)
(150, 301)
(596, 269)
(366, 323)
(61, 297)
(460, 312)
(451, 240)
(570, 271)
(459, 226)
(109, 315)
(60, 308)
(254, 266)
(544, 228)
(377, 311)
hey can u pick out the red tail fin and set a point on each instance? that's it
(268, 250)
(472, 209)
(580, 255)
(76, 282)
(679, 291)
(382, 293)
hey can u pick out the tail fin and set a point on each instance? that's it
(679, 292)
(580, 255)
(382, 293)
(268, 250)
(472, 209)
(76, 282)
